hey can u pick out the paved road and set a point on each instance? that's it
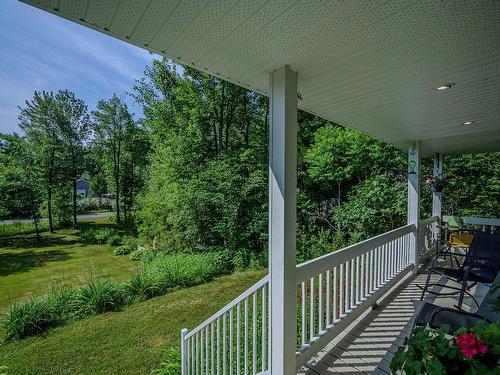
(96, 215)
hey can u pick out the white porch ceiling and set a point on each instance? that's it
(368, 65)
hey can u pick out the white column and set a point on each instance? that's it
(414, 197)
(282, 218)
(436, 195)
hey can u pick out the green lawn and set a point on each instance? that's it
(126, 342)
(28, 268)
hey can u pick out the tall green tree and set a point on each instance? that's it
(21, 179)
(112, 124)
(38, 120)
(73, 123)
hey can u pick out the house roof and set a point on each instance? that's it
(373, 66)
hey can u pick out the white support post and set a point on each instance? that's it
(436, 197)
(414, 198)
(184, 352)
(282, 219)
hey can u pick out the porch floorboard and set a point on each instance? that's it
(369, 344)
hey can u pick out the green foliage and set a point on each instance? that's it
(430, 351)
(97, 235)
(114, 240)
(122, 250)
(170, 363)
(14, 229)
(4, 370)
(98, 297)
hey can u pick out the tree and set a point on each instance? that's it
(38, 121)
(73, 123)
(112, 123)
(21, 179)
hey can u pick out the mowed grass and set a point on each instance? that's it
(29, 268)
(130, 341)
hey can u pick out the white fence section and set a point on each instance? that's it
(335, 289)
(480, 223)
(332, 291)
(428, 236)
(232, 341)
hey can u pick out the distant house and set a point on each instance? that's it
(83, 187)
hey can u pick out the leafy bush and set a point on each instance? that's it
(145, 255)
(114, 240)
(4, 370)
(122, 250)
(8, 230)
(87, 204)
(170, 364)
(29, 318)
(142, 286)
(98, 297)
(96, 235)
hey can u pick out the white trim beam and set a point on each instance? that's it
(282, 218)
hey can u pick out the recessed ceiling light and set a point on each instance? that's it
(469, 122)
(446, 86)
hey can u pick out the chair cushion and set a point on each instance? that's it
(423, 314)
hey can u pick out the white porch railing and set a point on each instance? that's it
(332, 291)
(232, 341)
(481, 223)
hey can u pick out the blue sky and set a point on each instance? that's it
(39, 51)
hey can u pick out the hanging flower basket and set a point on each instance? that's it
(437, 183)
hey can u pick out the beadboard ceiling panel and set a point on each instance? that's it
(369, 65)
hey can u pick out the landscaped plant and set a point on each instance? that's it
(4, 370)
(96, 235)
(170, 364)
(122, 250)
(469, 351)
(98, 297)
(114, 240)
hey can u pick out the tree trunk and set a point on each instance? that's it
(37, 231)
(75, 224)
(49, 207)
(339, 185)
(117, 200)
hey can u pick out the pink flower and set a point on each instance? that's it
(470, 345)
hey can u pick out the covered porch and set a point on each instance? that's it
(421, 75)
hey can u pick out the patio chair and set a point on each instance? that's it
(481, 265)
(438, 316)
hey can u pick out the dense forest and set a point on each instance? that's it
(191, 174)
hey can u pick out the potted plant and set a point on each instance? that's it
(437, 183)
(471, 351)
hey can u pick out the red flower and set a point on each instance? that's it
(470, 345)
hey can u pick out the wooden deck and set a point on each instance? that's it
(369, 344)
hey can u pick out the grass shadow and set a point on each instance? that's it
(11, 263)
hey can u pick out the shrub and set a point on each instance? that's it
(4, 370)
(114, 240)
(182, 270)
(98, 297)
(146, 255)
(29, 318)
(170, 364)
(141, 287)
(96, 235)
(122, 250)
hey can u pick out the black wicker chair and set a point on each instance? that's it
(481, 265)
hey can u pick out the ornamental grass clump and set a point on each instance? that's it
(98, 297)
(467, 352)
